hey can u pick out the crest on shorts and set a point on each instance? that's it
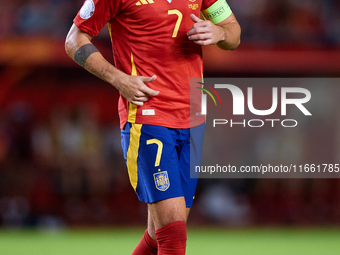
(162, 180)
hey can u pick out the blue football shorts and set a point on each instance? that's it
(159, 160)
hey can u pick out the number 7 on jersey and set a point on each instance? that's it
(178, 22)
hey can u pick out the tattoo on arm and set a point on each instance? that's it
(83, 53)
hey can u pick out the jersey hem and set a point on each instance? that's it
(176, 125)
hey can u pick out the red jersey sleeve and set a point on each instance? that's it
(94, 14)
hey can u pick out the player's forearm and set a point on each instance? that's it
(96, 64)
(230, 34)
(79, 47)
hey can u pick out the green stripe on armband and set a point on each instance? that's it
(218, 12)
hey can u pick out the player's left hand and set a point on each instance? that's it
(204, 32)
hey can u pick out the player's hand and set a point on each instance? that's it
(204, 32)
(133, 88)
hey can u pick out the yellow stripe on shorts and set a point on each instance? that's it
(132, 107)
(132, 154)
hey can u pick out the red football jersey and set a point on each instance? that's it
(149, 38)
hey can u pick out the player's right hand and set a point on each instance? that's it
(134, 90)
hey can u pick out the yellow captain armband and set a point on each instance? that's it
(217, 12)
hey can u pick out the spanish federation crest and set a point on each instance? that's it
(161, 180)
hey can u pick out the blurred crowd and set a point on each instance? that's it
(306, 22)
(67, 169)
(302, 22)
(50, 18)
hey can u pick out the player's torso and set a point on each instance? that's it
(151, 15)
(150, 38)
(151, 25)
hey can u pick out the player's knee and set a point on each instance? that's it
(168, 211)
(171, 219)
(164, 222)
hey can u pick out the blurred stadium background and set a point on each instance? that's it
(62, 174)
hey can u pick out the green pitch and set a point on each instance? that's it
(201, 241)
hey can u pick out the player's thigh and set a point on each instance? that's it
(152, 161)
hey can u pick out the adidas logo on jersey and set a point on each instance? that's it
(148, 112)
(140, 2)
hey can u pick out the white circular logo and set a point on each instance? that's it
(87, 10)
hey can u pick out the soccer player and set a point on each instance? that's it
(157, 49)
